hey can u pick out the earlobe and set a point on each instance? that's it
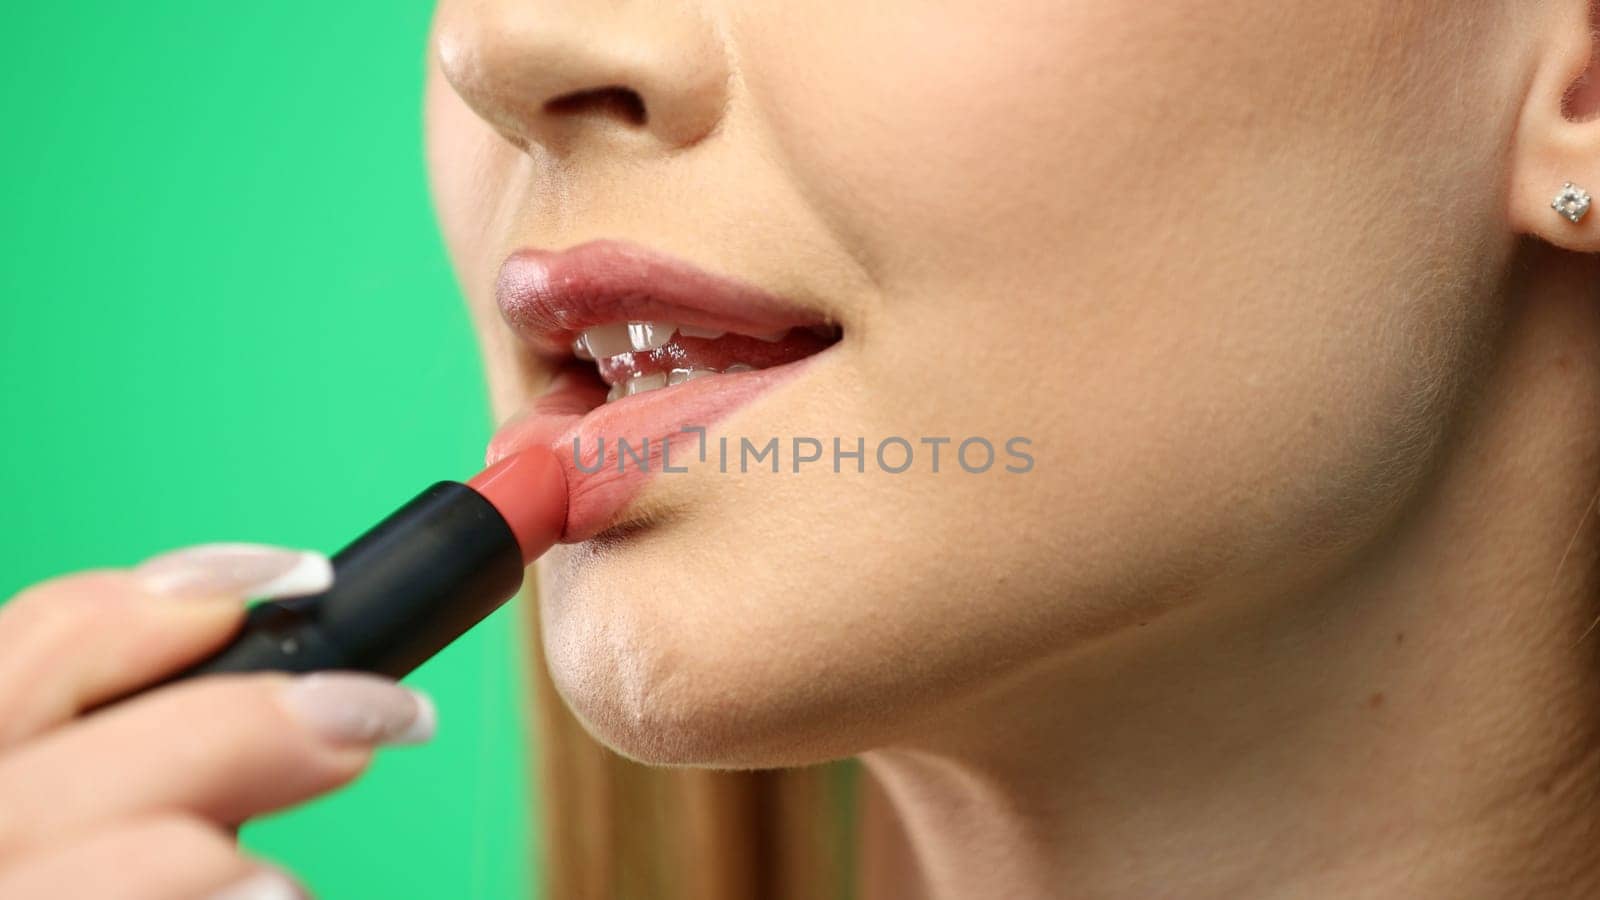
(1556, 160)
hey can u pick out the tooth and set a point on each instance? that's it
(771, 337)
(607, 340)
(616, 393)
(708, 334)
(679, 376)
(645, 383)
(650, 335)
(580, 348)
(737, 368)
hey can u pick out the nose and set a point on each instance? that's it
(569, 74)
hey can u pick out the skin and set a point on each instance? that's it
(140, 799)
(1292, 603)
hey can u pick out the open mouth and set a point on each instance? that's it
(649, 350)
(639, 357)
(649, 322)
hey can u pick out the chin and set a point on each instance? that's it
(672, 648)
(695, 670)
(790, 620)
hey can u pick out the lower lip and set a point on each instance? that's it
(567, 419)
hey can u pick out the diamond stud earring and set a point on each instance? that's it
(1573, 202)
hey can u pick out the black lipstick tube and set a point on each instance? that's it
(401, 592)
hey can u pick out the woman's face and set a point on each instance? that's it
(1221, 263)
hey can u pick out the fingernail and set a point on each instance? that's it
(351, 708)
(236, 570)
(264, 884)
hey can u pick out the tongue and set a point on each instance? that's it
(720, 353)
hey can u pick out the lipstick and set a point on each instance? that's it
(414, 582)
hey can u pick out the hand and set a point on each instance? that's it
(139, 800)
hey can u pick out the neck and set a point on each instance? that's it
(1423, 722)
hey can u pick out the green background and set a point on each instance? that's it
(227, 316)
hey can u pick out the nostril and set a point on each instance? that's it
(614, 102)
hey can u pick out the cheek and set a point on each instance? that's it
(958, 136)
(471, 171)
(978, 123)
(1086, 224)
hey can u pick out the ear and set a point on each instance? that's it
(1558, 134)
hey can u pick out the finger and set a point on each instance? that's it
(160, 858)
(83, 639)
(223, 747)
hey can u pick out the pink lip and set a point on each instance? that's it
(548, 297)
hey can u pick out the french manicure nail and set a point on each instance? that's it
(263, 884)
(252, 571)
(352, 708)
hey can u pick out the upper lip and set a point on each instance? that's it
(549, 297)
